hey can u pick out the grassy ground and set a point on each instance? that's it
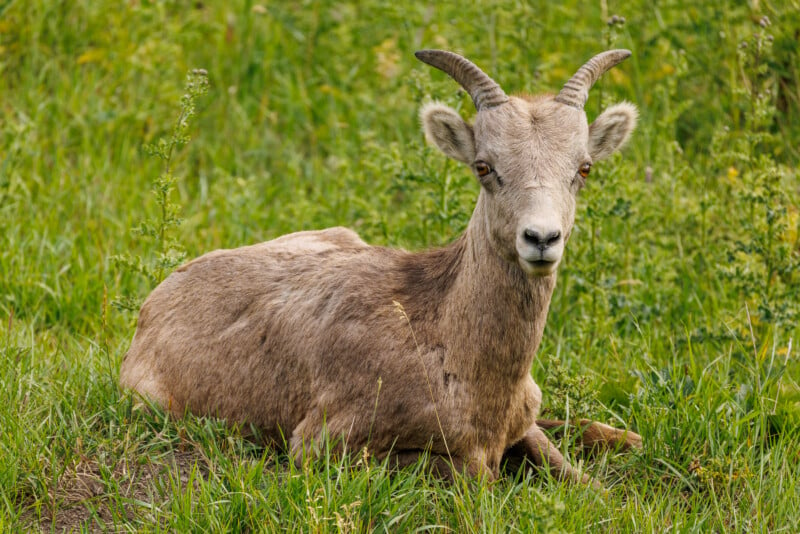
(676, 311)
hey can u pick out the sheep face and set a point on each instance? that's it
(531, 156)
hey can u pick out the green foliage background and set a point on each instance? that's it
(676, 310)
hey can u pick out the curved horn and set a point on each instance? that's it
(485, 92)
(576, 91)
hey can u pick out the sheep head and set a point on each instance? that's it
(531, 155)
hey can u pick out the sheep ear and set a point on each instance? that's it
(611, 130)
(445, 128)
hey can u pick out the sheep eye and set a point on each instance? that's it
(584, 169)
(482, 168)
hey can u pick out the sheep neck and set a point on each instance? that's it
(494, 311)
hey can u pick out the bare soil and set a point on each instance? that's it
(94, 497)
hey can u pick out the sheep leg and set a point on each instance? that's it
(312, 435)
(537, 448)
(593, 435)
(441, 465)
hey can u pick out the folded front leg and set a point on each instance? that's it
(537, 448)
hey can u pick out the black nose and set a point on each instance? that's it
(541, 240)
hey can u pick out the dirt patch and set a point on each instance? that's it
(96, 497)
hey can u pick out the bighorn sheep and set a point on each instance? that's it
(317, 333)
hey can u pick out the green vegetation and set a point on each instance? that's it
(676, 311)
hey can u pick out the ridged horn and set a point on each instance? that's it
(485, 92)
(576, 91)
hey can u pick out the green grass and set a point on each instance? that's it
(678, 303)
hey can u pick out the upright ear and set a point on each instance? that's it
(447, 130)
(611, 130)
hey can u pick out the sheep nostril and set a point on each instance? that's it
(541, 240)
(532, 237)
(552, 238)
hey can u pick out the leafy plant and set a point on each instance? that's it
(168, 252)
(764, 254)
(569, 396)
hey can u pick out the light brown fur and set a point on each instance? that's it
(318, 332)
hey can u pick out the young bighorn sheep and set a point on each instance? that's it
(317, 333)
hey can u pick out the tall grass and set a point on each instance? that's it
(675, 313)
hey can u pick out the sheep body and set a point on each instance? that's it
(317, 333)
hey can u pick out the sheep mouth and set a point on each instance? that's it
(538, 267)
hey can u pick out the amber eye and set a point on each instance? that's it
(584, 170)
(482, 168)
